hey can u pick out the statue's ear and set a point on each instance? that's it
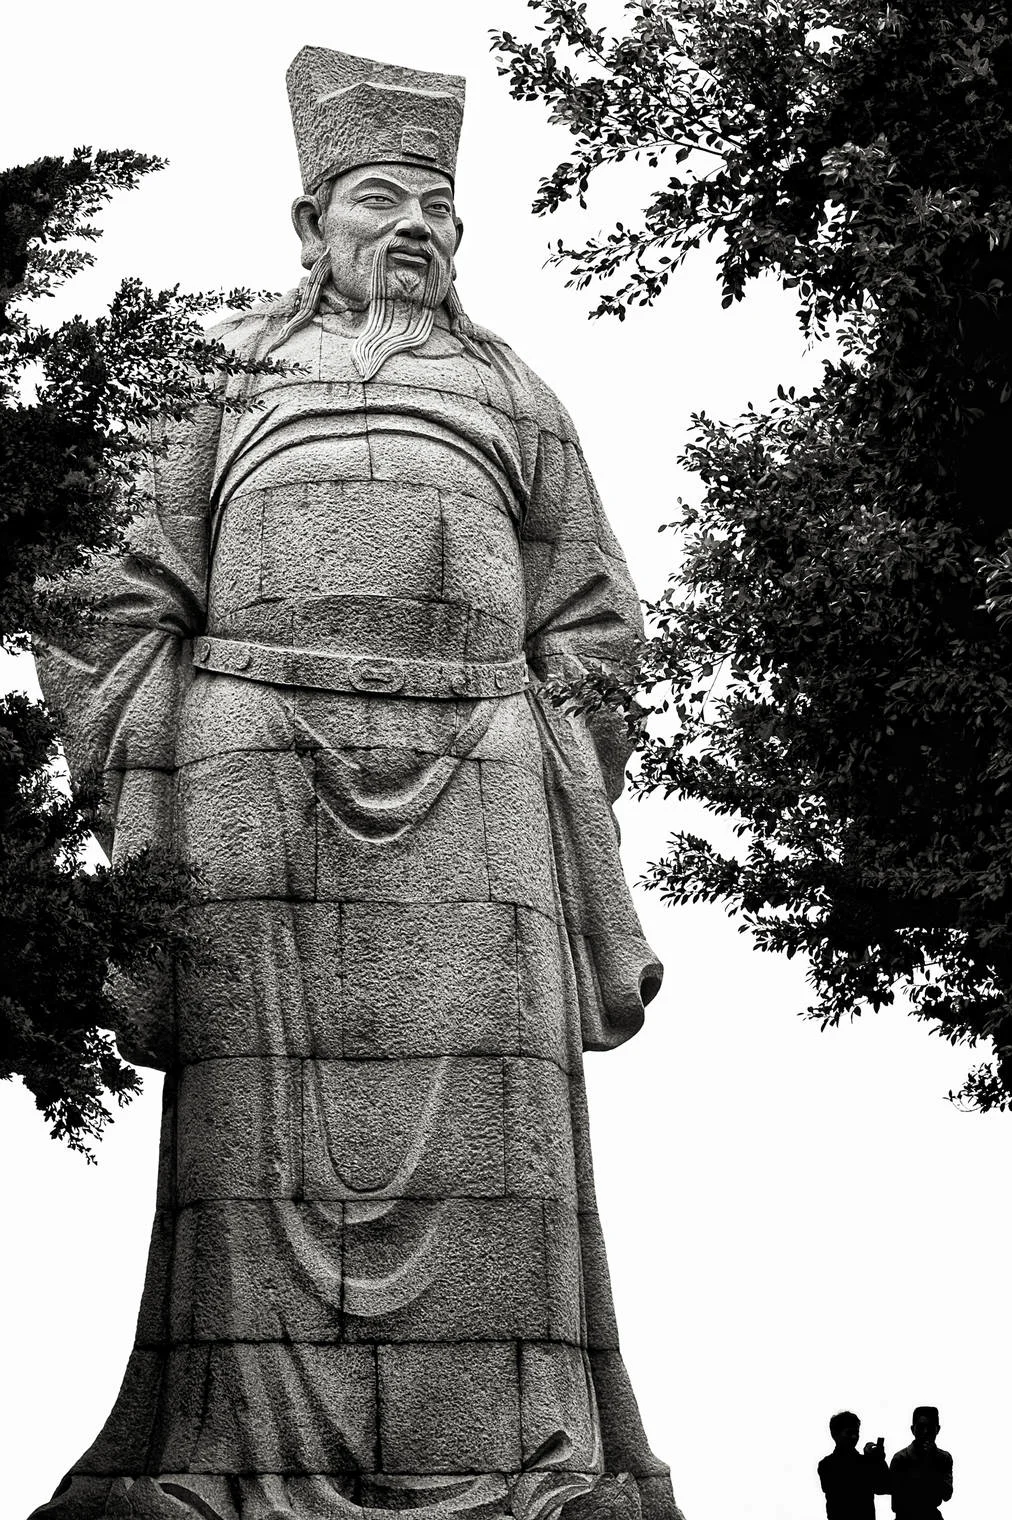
(306, 221)
(460, 234)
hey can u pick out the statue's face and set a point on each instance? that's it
(404, 209)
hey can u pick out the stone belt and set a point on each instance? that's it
(275, 665)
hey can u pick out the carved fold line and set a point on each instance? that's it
(538, 1494)
(413, 1155)
(226, 463)
(370, 1297)
(384, 819)
(390, 817)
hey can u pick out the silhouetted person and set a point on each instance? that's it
(921, 1474)
(850, 1479)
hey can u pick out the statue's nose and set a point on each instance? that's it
(413, 224)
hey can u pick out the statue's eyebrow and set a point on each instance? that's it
(378, 182)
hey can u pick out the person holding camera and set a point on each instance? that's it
(850, 1479)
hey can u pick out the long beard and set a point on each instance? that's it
(395, 322)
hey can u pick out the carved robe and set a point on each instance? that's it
(377, 1278)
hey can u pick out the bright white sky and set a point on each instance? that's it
(796, 1222)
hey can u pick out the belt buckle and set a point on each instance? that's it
(381, 676)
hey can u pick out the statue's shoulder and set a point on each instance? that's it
(487, 336)
(244, 332)
(532, 396)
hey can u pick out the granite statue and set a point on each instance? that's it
(376, 1279)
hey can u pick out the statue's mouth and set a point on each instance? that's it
(420, 257)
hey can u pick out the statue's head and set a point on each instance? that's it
(378, 152)
(388, 230)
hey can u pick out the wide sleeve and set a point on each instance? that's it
(582, 609)
(118, 684)
(582, 614)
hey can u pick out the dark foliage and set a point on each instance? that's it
(829, 666)
(75, 404)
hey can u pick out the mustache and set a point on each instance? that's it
(396, 243)
(415, 248)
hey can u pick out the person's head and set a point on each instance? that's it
(924, 1424)
(845, 1428)
(390, 231)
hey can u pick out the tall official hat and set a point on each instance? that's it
(350, 111)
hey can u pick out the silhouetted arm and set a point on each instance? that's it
(898, 1468)
(878, 1469)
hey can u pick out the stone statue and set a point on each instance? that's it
(377, 1280)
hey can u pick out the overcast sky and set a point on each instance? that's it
(796, 1222)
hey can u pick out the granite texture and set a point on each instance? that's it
(377, 1278)
(350, 111)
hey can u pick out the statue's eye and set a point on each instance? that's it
(375, 200)
(440, 208)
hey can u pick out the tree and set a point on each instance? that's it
(829, 664)
(75, 405)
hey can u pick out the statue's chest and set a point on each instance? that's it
(369, 537)
(336, 495)
(423, 534)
